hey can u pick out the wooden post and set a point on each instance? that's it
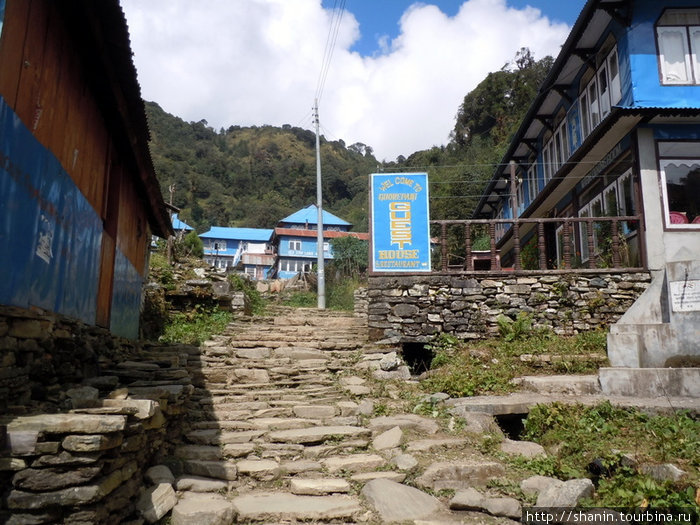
(591, 243)
(492, 234)
(541, 245)
(443, 245)
(567, 245)
(615, 244)
(516, 224)
(468, 263)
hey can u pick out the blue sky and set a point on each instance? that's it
(380, 18)
(399, 70)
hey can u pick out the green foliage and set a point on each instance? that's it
(254, 176)
(463, 370)
(301, 299)
(350, 256)
(511, 330)
(196, 326)
(255, 301)
(584, 433)
(190, 246)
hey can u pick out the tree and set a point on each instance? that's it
(350, 255)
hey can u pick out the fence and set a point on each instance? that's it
(604, 243)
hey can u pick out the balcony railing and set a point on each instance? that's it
(604, 243)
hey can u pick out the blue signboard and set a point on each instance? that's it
(400, 222)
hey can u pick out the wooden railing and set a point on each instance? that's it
(604, 255)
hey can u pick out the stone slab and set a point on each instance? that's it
(282, 506)
(66, 423)
(318, 486)
(316, 434)
(396, 502)
(203, 509)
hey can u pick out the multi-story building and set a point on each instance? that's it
(230, 247)
(615, 132)
(296, 242)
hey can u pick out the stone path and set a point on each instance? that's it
(284, 428)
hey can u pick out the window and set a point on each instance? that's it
(678, 39)
(593, 110)
(680, 184)
(294, 246)
(601, 92)
(326, 247)
(614, 74)
(219, 246)
(585, 117)
(532, 182)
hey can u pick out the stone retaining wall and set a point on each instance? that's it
(416, 308)
(86, 415)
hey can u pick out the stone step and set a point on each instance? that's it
(267, 506)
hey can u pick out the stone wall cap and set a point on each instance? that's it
(66, 423)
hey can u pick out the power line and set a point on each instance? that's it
(331, 39)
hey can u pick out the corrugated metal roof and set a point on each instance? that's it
(180, 225)
(238, 234)
(309, 215)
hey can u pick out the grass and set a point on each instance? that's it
(578, 436)
(339, 296)
(488, 367)
(195, 327)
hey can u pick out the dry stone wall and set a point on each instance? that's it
(85, 415)
(416, 308)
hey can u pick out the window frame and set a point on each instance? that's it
(671, 22)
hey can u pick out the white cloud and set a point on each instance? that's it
(251, 62)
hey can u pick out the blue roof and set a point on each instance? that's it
(179, 225)
(240, 234)
(310, 215)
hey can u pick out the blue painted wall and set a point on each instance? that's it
(308, 248)
(50, 236)
(645, 78)
(126, 298)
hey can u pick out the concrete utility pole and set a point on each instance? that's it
(319, 233)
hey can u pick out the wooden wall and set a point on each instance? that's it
(45, 82)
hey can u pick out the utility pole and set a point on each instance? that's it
(319, 232)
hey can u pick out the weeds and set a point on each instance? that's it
(195, 327)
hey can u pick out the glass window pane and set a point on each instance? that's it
(682, 192)
(604, 92)
(593, 104)
(695, 50)
(614, 73)
(674, 55)
(585, 126)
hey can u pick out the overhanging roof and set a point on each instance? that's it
(578, 48)
(238, 234)
(309, 215)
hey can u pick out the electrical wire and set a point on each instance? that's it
(331, 39)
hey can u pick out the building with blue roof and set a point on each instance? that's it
(249, 247)
(296, 242)
(180, 227)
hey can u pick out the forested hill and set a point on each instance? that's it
(254, 176)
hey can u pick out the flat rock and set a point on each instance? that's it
(299, 466)
(156, 502)
(404, 462)
(665, 472)
(396, 502)
(314, 411)
(318, 486)
(299, 353)
(159, 474)
(568, 494)
(261, 469)
(363, 477)
(536, 484)
(92, 443)
(316, 434)
(353, 462)
(66, 423)
(459, 475)
(526, 449)
(282, 506)
(388, 439)
(423, 445)
(404, 421)
(203, 509)
(200, 484)
(211, 469)
(201, 452)
(472, 499)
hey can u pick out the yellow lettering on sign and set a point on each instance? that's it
(400, 223)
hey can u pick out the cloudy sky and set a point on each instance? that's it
(399, 69)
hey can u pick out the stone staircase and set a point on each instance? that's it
(271, 422)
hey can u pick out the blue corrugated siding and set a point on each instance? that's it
(126, 298)
(50, 236)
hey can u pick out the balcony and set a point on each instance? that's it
(532, 246)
